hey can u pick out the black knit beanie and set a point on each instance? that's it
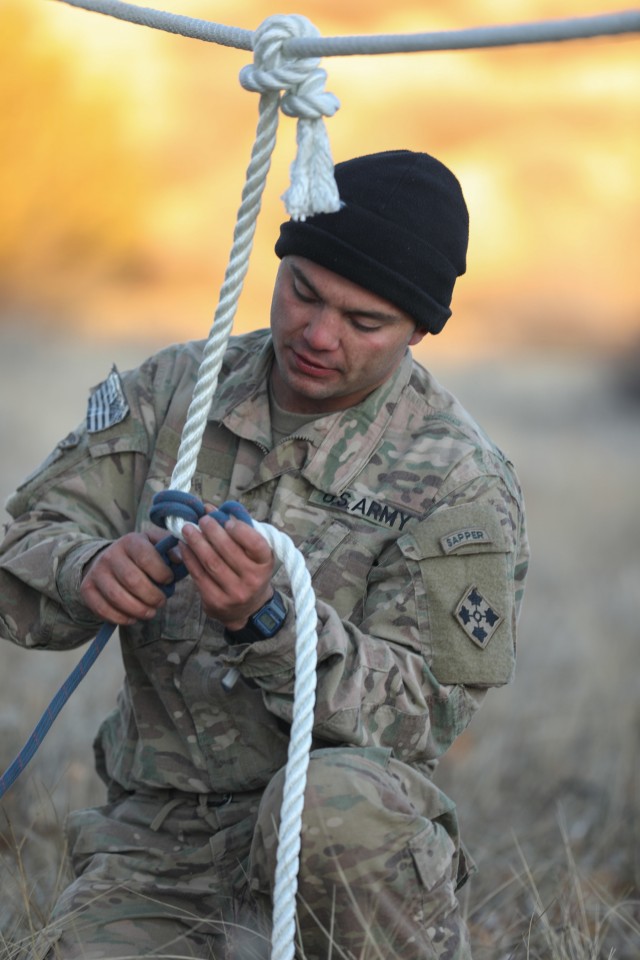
(401, 233)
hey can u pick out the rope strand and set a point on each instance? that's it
(312, 190)
(230, 291)
(544, 31)
(169, 22)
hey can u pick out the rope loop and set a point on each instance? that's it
(271, 68)
(175, 503)
(313, 188)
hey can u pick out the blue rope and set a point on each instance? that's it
(44, 724)
(165, 504)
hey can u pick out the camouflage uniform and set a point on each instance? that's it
(411, 524)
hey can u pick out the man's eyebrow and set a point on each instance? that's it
(380, 315)
(300, 275)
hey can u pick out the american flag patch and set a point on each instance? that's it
(107, 404)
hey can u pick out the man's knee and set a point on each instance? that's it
(367, 854)
(353, 799)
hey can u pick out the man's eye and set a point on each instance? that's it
(305, 297)
(364, 326)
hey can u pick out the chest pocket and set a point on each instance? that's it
(462, 563)
(339, 564)
(214, 465)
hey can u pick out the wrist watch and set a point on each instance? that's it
(261, 625)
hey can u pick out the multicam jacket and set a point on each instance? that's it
(410, 522)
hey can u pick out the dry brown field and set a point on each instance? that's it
(547, 777)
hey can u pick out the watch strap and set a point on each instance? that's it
(261, 625)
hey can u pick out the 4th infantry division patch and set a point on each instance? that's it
(477, 617)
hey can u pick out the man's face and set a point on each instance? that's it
(334, 341)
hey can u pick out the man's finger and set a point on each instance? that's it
(253, 543)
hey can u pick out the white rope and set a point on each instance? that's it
(287, 858)
(302, 81)
(503, 35)
(313, 187)
(313, 190)
(543, 31)
(169, 22)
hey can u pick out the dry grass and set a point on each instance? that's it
(546, 779)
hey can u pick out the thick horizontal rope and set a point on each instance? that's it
(169, 22)
(503, 35)
(543, 31)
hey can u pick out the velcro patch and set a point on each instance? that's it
(464, 538)
(107, 404)
(365, 507)
(477, 617)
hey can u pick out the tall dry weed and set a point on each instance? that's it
(546, 779)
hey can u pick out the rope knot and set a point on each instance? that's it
(313, 188)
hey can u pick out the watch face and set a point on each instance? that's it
(267, 621)
(270, 618)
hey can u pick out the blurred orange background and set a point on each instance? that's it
(124, 151)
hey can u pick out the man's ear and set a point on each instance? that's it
(417, 336)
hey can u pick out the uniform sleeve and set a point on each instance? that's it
(77, 502)
(437, 629)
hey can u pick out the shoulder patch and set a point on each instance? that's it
(107, 404)
(477, 617)
(464, 538)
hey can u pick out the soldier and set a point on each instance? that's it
(411, 524)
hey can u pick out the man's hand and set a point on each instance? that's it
(118, 585)
(231, 567)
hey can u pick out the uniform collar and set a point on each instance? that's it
(339, 445)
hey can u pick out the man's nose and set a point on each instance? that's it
(322, 331)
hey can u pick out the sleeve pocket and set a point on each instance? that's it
(461, 560)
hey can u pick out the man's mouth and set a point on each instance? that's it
(306, 365)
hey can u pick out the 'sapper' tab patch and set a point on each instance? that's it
(464, 538)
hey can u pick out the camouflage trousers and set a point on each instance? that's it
(180, 876)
